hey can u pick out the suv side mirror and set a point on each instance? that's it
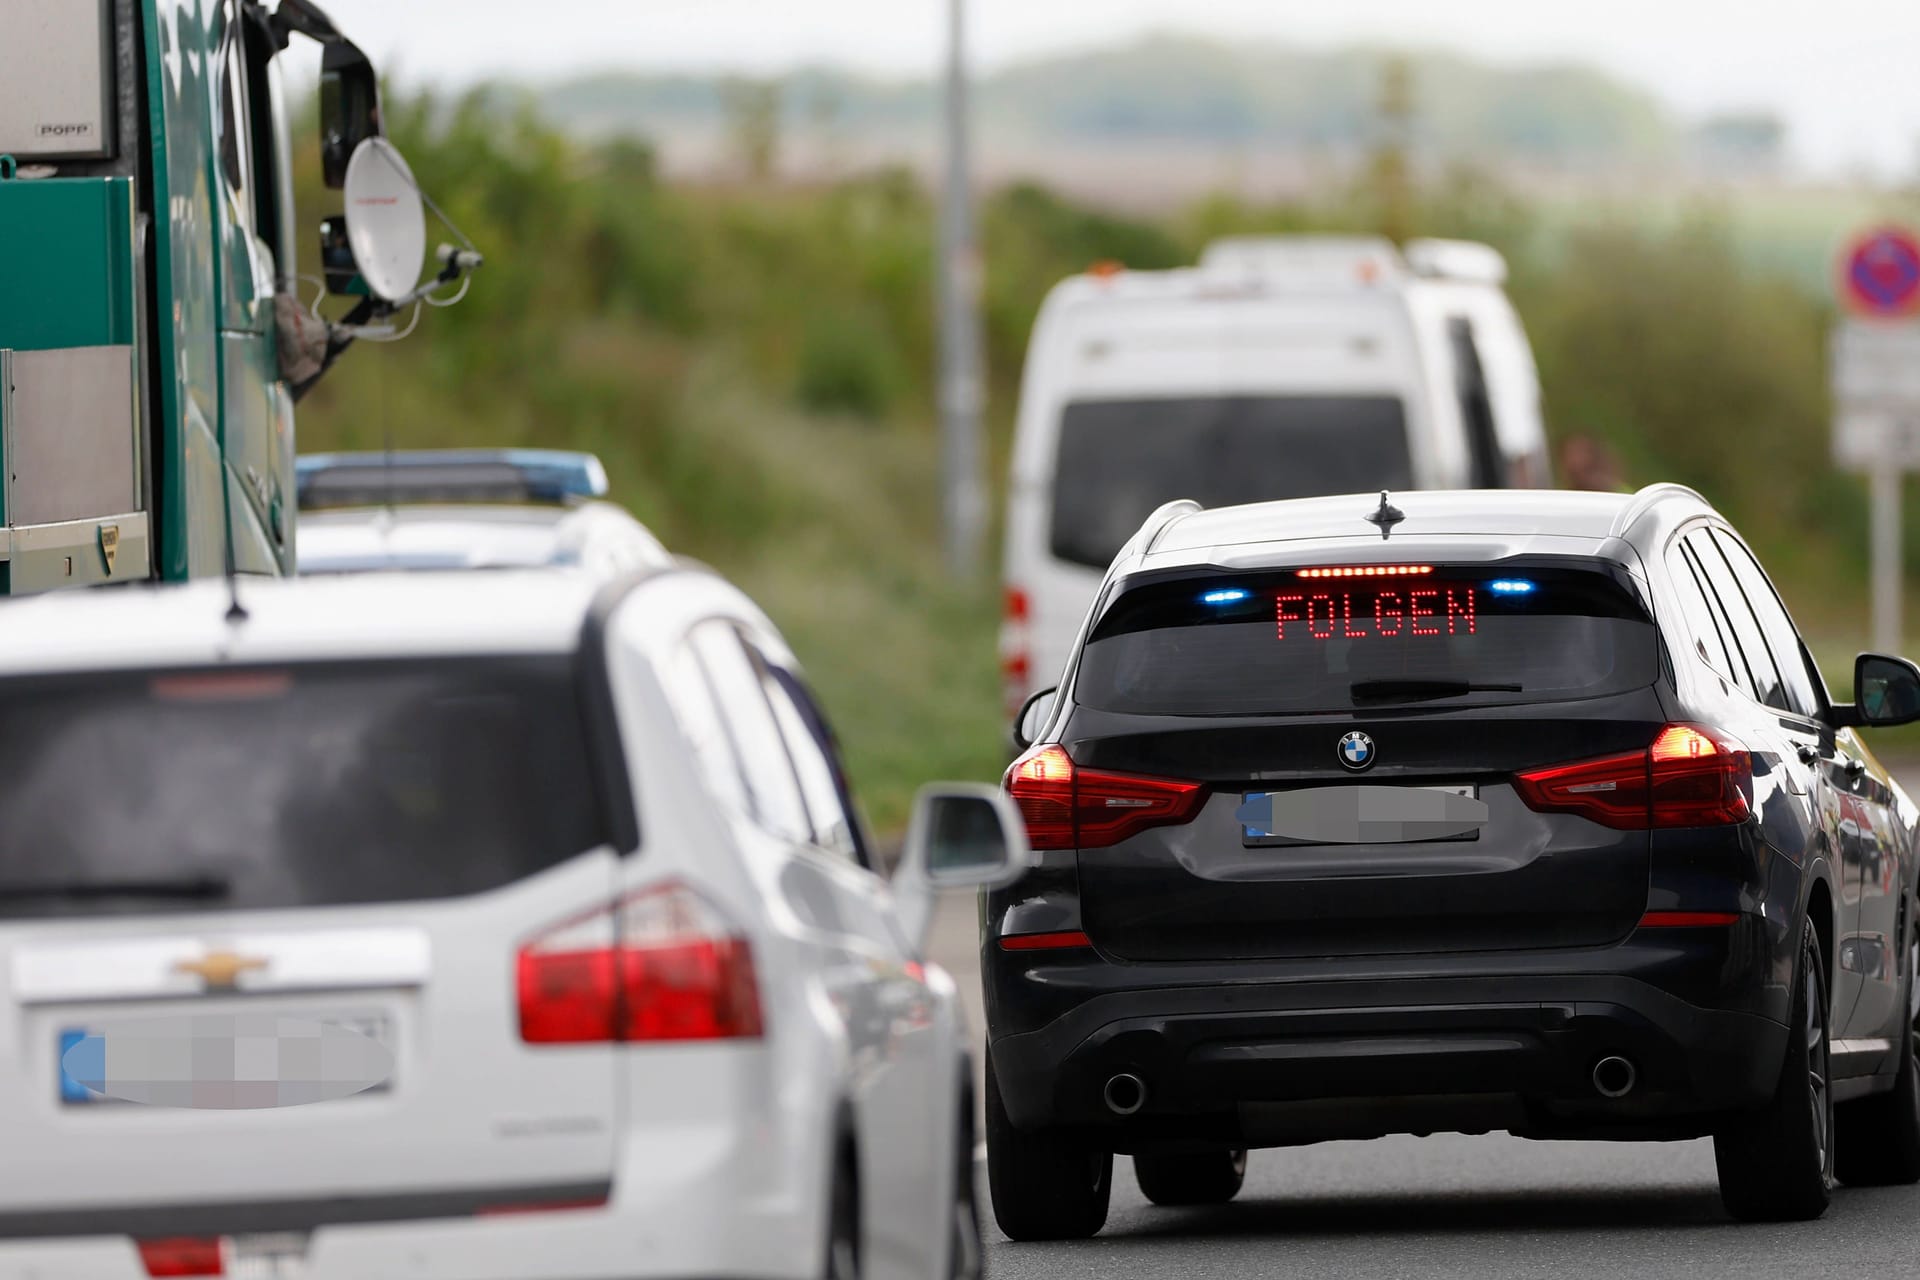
(349, 108)
(1886, 691)
(1033, 716)
(962, 836)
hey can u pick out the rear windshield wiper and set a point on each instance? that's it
(194, 887)
(1369, 689)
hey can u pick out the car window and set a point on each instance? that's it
(1783, 639)
(820, 782)
(773, 790)
(691, 695)
(1747, 635)
(1476, 407)
(1281, 642)
(1703, 628)
(236, 146)
(1736, 664)
(308, 785)
(1120, 459)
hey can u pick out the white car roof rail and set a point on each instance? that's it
(1156, 524)
(1645, 498)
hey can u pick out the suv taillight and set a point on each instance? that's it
(1016, 650)
(1691, 776)
(1067, 807)
(662, 964)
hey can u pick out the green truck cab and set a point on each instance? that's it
(152, 347)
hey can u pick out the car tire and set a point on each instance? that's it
(1045, 1184)
(1878, 1139)
(1776, 1163)
(1213, 1177)
(843, 1221)
(967, 1256)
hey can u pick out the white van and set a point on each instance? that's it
(1282, 367)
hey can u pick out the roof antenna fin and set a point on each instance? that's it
(1386, 517)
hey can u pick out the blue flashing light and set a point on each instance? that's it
(1510, 587)
(1231, 595)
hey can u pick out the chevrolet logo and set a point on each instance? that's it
(220, 970)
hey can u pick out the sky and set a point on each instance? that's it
(1842, 72)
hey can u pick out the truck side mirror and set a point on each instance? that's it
(349, 108)
(336, 259)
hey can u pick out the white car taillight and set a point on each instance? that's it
(659, 965)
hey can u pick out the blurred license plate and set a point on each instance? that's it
(377, 1027)
(267, 1257)
(1254, 837)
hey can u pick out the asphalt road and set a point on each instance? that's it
(1456, 1206)
(1475, 1207)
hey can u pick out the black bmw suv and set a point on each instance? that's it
(1511, 810)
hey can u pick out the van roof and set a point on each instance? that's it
(1243, 267)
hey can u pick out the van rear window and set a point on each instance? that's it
(303, 785)
(1120, 459)
(1337, 638)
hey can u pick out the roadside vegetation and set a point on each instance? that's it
(753, 363)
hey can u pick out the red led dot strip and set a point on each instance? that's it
(1367, 571)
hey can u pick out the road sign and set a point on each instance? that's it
(1873, 439)
(1876, 363)
(1880, 273)
(1876, 396)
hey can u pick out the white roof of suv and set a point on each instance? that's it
(351, 616)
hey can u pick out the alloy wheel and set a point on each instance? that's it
(1819, 1095)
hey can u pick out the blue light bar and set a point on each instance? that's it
(1510, 587)
(447, 475)
(1231, 595)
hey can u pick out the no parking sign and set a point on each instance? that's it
(1880, 274)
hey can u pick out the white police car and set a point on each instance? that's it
(464, 509)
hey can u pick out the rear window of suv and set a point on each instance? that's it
(1331, 639)
(1120, 459)
(303, 785)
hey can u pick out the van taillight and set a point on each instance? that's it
(1067, 807)
(1016, 650)
(183, 1256)
(1691, 776)
(660, 965)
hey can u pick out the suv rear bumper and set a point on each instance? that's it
(1278, 1064)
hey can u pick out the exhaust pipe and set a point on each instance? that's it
(1125, 1094)
(1614, 1076)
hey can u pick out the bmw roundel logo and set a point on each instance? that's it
(1356, 750)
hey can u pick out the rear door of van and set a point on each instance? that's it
(1130, 404)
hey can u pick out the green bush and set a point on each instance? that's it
(848, 365)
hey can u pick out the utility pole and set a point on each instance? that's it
(1393, 153)
(962, 387)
